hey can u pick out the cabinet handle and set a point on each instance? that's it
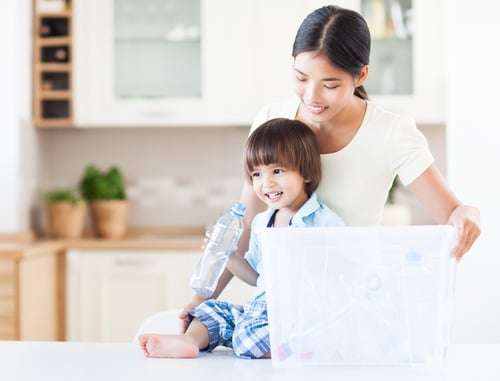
(155, 114)
(130, 262)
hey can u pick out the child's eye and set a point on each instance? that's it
(278, 171)
(255, 175)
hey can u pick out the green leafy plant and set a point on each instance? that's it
(62, 195)
(100, 185)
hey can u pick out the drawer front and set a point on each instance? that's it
(8, 328)
(7, 288)
(7, 306)
(7, 278)
(7, 267)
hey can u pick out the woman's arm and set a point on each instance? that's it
(431, 189)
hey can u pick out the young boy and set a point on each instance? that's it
(282, 161)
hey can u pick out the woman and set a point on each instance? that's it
(363, 147)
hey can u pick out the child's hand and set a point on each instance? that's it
(185, 318)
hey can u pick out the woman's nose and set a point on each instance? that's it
(311, 93)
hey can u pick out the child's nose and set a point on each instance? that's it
(268, 181)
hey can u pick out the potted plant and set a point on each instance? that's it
(394, 213)
(66, 213)
(105, 192)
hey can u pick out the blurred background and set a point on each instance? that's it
(165, 91)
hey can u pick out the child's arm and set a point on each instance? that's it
(242, 269)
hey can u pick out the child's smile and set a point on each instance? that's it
(273, 196)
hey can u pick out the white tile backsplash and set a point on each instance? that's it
(175, 176)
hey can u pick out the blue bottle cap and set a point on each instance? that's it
(238, 209)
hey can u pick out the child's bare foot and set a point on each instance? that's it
(173, 346)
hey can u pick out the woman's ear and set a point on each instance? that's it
(307, 181)
(362, 76)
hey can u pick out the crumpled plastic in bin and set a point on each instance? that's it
(358, 295)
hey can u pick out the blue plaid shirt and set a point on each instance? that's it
(314, 213)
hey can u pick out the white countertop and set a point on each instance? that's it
(23, 361)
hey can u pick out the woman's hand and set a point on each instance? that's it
(185, 318)
(467, 222)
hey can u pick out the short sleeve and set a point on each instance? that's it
(411, 154)
(253, 255)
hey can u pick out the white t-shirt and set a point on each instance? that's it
(356, 179)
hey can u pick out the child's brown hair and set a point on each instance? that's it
(289, 143)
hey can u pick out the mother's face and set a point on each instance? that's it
(323, 88)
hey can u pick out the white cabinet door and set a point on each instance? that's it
(133, 68)
(109, 293)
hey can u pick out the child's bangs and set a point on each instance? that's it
(269, 152)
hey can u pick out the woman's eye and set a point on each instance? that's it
(301, 79)
(331, 87)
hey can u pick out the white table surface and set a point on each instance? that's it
(22, 361)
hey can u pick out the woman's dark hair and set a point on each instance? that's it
(340, 34)
(288, 143)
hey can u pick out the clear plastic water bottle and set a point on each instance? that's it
(221, 244)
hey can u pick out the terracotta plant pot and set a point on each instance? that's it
(66, 219)
(110, 218)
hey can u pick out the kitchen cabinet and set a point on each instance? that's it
(163, 63)
(31, 292)
(110, 292)
(407, 67)
(206, 63)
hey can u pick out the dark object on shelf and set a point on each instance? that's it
(55, 54)
(55, 81)
(54, 27)
(54, 109)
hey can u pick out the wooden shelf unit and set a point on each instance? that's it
(53, 67)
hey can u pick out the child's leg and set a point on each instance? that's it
(251, 332)
(212, 325)
(186, 345)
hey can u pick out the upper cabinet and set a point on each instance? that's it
(406, 71)
(163, 63)
(200, 62)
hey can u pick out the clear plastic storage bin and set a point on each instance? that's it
(358, 295)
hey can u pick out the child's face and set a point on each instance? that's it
(279, 187)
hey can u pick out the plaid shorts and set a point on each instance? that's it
(243, 328)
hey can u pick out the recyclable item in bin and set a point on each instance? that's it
(358, 295)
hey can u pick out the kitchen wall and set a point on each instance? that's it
(473, 157)
(175, 176)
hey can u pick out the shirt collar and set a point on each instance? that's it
(309, 207)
